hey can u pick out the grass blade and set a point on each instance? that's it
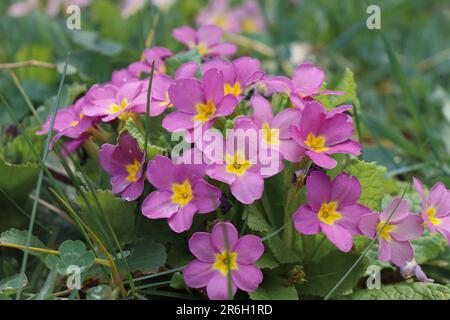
(41, 178)
(363, 254)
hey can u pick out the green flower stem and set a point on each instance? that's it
(103, 262)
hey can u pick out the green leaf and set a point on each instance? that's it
(174, 62)
(90, 40)
(16, 184)
(101, 292)
(256, 220)
(119, 213)
(267, 261)
(18, 152)
(19, 237)
(36, 52)
(371, 178)
(429, 247)
(321, 276)
(133, 129)
(10, 285)
(71, 254)
(274, 288)
(405, 291)
(147, 256)
(282, 253)
(348, 85)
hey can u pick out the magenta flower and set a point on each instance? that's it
(181, 193)
(198, 102)
(22, 8)
(218, 13)
(323, 133)
(250, 17)
(122, 76)
(214, 261)
(237, 75)
(155, 54)
(69, 122)
(238, 166)
(160, 100)
(110, 102)
(394, 241)
(124, 163)
(306, 83)
(435, 209)
(332, 208)
(275, 129)
(207, 39)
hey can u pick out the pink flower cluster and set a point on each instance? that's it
(333, 208)
(237, 94)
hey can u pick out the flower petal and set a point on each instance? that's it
(201, 246)
(409, 229)
(318, 189)
(262, 109)
(338, 235)
(206, 196)
(217, 288)
(158, 204)
(247, 277)
(306, 221)
(221, 232)
(345, 189)
(197, 274)
(182, 220)
(162, 172)
(249, 249)
(248, 187)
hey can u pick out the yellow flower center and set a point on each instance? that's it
(205, 111)
(76, 122)
(163, 69)
(249, 26)
(270, 135)
(220, 21)
(235, 90)
(386, 233)
(316, 144)
(202, 48)
(182, 193)
(431, 213)
(132, 170)
(328, 214)
(116, 108)
(222, 261)
(237, 164)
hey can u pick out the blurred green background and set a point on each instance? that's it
(405, 104)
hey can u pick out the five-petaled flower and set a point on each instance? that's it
(238, 75)
(181, 193)
(395, 235)
(220, 253)
(207, 40)
(110, 102)
(155, 55)
(124, 163)
(198, 102)
(321, 133)
(435, 208)
(332, 208)
(306, 83)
